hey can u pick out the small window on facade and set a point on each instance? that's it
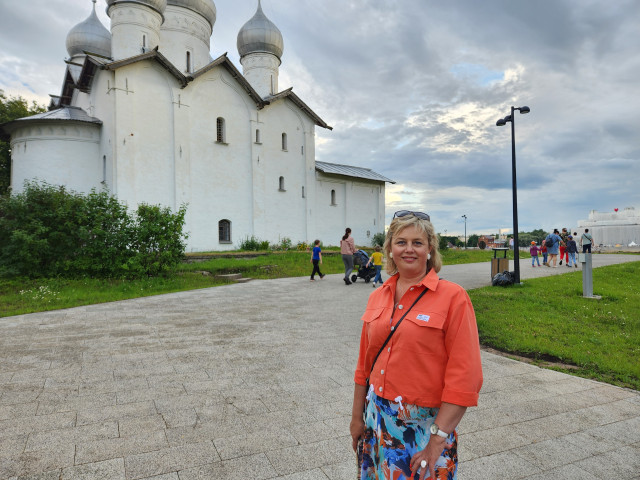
(224, 231)
(284, 141)
(302, 192)
(104, 169)
(144, 43)
(281, 184)
(220, 130)
(302, 150)
(333, 197)
(257, 135)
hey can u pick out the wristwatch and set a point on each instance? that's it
(435, 430)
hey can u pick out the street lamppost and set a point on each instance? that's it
(501, 123)
(465, 231)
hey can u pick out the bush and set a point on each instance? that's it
(482, 245)
(285, 244)
(254, 244)
(302, 246)
(49, 231)
(443, 243)
(378, 239)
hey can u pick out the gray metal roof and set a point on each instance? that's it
(66, 113)
(89, 36)
(206, 8)
(350, 171)
(260, 34)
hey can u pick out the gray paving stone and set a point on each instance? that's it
(504, 466)
(566, 472)
(38, 461)
(551, 454)
(255, 467)
(622, 462)
(87, 416)
(71, 436)
(315, 474)
(345, 470)
(170, 460)
(98, 450)
(50, 475)
(12, 446)
(39, 423)
(140, 425)
(242, 445)
(313, 455)
(107, 470)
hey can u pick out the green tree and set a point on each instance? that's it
(12, 108)
(472, 241)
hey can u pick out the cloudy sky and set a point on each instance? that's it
(413, 89)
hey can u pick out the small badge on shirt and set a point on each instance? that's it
(424, 318)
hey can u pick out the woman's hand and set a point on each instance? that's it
(357, 431)
(430, 454)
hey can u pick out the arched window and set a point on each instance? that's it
(220, 130)
(281, 184)
(144, 43)
(188, 62)
(284, 141)
(257, 135)
(224, 231)
(333, 197)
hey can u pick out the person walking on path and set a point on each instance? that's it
(586, 240)
(533, 250)
(543, 250)
(412, 389)
(572, 249)
(316, 259)
(347, 249)
(563, 249)
(553, 242)
(376, 258)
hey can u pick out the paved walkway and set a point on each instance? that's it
(255, 381)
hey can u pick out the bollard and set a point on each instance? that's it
(587, 276)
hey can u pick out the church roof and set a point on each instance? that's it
(64, 114)
(288, 93)
(350, 171)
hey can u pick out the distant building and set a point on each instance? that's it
(492, 242)
(612, 228)
(146, 113)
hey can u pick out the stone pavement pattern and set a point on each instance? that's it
(255, 381)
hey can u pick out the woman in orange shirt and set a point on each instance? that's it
(414, 381)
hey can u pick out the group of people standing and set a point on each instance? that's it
(562, 243)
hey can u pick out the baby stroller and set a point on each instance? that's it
(360, 259)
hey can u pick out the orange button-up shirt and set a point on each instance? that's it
(434, 356)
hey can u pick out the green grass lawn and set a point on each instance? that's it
(548, 319)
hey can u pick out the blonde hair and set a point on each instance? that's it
(398, 224)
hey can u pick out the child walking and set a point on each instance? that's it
(533, 250)
(376, 258)
(572, 249)
(316, 259)
(543, 250)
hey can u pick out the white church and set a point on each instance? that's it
(148, 114)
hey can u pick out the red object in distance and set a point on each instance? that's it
(615, 209)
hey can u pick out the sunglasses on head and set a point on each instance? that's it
(404, 213)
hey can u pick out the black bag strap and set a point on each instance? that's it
(393, 329)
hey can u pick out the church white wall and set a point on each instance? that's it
(64, 153)
(358, 205)
(185, 31)
(284, 212)
(612, 228)
(143, 137)
(220, 174)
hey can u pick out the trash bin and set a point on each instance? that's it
(499, 265)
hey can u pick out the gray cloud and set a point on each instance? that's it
(414, 88)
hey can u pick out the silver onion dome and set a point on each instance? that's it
(157, 5)
(206, 8)
(89, 36)
(260, 35)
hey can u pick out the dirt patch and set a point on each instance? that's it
(540, 360)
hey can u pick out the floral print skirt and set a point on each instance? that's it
(394, 432)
